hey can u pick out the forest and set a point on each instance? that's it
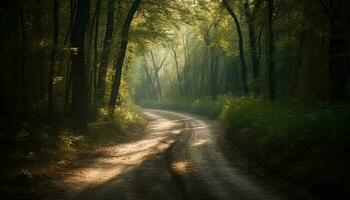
(175, 99)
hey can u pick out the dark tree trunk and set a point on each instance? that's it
(2, 54)
(23, 93)
(102, 72)
(52, 60)
(214, 74)
(255, 71)
(94, 31)
(178, 75)
(337, 62)
(72, 10)
(241, 45)
(39, 75)
(121, 54)
(271, 52)
(79, 107)
(68, 87)
(187, 68)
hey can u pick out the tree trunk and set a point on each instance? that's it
(241, 46)
(156, 74)
(52, 61)
(95, 32)
(150, 82)
(178, 75)
(271, 52)
(121, 54)
(68, 87)
(102, 72)
(255, 71)
(214, 74)
(23, 91)
(78, 69)
(337, 64)
(72, 10)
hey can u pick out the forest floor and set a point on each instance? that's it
(176, 157)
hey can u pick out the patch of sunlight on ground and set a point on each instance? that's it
(123, 157)
(181, 166)
(200, 142)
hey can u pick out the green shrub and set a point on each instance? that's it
(306, 144)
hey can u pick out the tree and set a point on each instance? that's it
(250, 14)
(178, 74)
(156, 73)
(338, 69)
(102, 72)
(271, 52)
(79, 108)
(52, 60)
(240, 43)
(124, 36)
(210, 42)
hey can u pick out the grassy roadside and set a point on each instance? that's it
(36, 156)
(204, 106)
(305, 145)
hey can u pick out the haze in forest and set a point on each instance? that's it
(174, 99)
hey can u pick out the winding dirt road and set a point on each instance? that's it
(177, 158)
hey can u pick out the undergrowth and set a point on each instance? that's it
(303, 144)
(37, 154)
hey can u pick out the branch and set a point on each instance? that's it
(161, 65)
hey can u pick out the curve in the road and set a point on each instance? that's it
(177, 158)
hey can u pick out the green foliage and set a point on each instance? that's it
(301, 143)
(38, 153)
(287, 118)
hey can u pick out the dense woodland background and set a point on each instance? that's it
(258, 48)
(277, 69)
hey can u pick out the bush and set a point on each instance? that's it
(306, 144)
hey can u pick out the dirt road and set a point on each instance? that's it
(177, 158)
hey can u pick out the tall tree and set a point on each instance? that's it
(102, 72)
(124, 38)
(271, 52)
(93, 38)
(79, 105)
(156, 73)
(149, 80)
(240, 43)
(52, 59)
(178, 74)
(209, 40)
(250, 14)
(338, 69)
